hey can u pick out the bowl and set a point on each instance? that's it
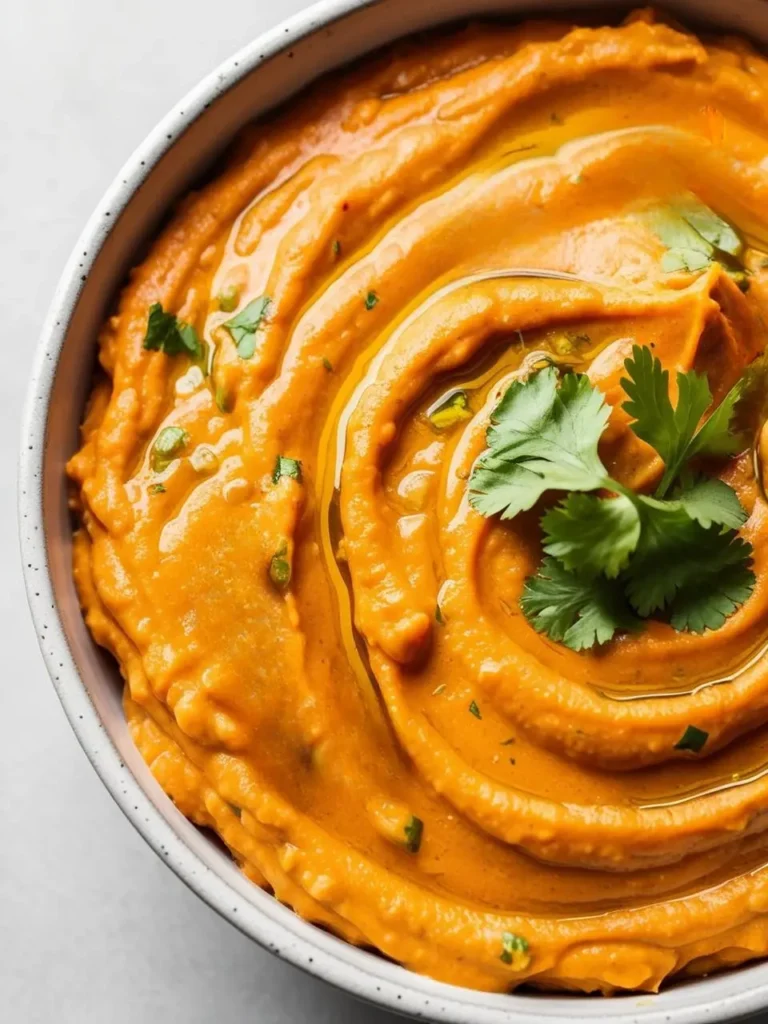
(179, 152)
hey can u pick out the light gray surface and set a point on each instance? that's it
(93, 927)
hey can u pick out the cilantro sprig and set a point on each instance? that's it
(614, 557)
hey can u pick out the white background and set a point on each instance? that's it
(93, 927)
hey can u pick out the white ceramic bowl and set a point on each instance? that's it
(176, 154)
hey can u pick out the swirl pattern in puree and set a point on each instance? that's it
(438, 218)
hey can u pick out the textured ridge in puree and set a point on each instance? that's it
(327, 664)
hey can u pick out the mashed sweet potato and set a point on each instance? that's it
(324, 654)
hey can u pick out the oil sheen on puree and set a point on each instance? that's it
(327, 664)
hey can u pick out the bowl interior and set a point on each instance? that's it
(180, 152)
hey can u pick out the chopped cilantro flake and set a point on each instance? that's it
(693, 739)
(515, 951)
(166, 333)
(280, 567)
(286, 467)
(414, 830)
(244, 326)
(168, 444)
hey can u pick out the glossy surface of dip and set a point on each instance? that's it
(311, 716)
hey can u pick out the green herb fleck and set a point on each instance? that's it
(280, 567)
(336, 248)
(693, 739)
(371, 299)
(237, 811)
(166, 333)
(228, 299)
(157, 489)
(447, 412)
(223, 399)
(327, 364)
(474, 709)
(243, 327)
(507, 743)
(439, 615)
(514, 950)
(414, 830)
(286, 467)
(168, 444)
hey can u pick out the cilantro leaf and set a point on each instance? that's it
(243, 327)
(672, 430)
(542, 438)
(505, 487)
(682, 258)
(666, 428)
(717, 435)
(712, 228)
(677, 556)
(669, 539)
(710, 599)
(694, 236)
(677, 233)
(592, 535)
(166, 333)
(572, 610)
(709, 500)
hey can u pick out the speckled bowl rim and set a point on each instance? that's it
(725, 997)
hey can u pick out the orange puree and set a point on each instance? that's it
(388, 215)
